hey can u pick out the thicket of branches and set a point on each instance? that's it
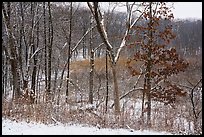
(62, 62)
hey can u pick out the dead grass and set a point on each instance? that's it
(99, 64)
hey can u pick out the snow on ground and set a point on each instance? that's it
(22, 128)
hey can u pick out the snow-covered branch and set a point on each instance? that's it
(129, 26)
(82, 38)
(36, 51)
(100, 25)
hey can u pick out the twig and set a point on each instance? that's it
(131, 130)
(134, 89)
(56, 122)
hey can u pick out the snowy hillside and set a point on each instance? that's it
(22, 128)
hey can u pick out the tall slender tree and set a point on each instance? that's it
(50, 42)
(91, 79)
(69, 51)
(34, 49)
(45, 43)
(107, 83)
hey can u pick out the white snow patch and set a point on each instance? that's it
(22, 128)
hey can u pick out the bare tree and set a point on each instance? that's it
(6, 13)
(91, 79)
(114, 56)
(69, 52)
(45, 43)
(50, 42)
(34, 55)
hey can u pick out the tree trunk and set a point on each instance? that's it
(91, 77)
(34, 73)
(3, 73)
(143, 96)
(5, 66)
(22, 37)
(83, 43)
(106, 80)
(149, 65)
(69, 52)
(45, 45)
(50, 38)
(33, 82)
(56, 76)
(116, 91)
(91, 67)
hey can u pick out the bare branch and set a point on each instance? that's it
(132, 90)
(82, 38)
(36, 51)
(77, 44)
(100, 25)
(98, 46)
(91, 8)
(192, 101)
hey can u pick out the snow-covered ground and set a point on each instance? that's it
(22, 128)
